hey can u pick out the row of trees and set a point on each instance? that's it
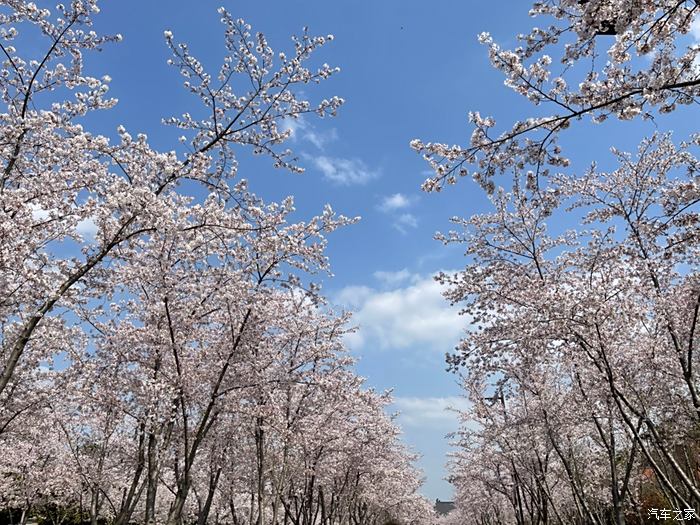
(177, 364)
(256, 424)
(581, 375)
(581, 364)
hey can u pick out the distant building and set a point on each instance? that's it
(444, 507)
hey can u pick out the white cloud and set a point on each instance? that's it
(430, 411)
(294, 125)
(301, 129)
(397, 201)
(393, 204)
(394, 278)
(87, 228)
(38, 213)
(353, 296)
(695, 29)
(416, 316)
(321, 139)
(405, 221)
(433, 256)
(343, 171)
(336, 169)
(695, 32)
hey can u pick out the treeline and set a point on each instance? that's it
(287, 436)
(581, 287)
(165, 353)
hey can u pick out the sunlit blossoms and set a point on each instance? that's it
(166, 355)
(583, 290)
(593, 59)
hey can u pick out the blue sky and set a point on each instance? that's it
(408, 70)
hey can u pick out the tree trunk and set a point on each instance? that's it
(132, 497)
(152, 486)
(204, 512)
(94, 505)
(175, 514)
(260, 452)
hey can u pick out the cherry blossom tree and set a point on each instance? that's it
(57, 175)
(586, 340)
(180, 364)
(651, 68)
(580, 363)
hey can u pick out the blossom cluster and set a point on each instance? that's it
(582, 290)
(165, 356)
